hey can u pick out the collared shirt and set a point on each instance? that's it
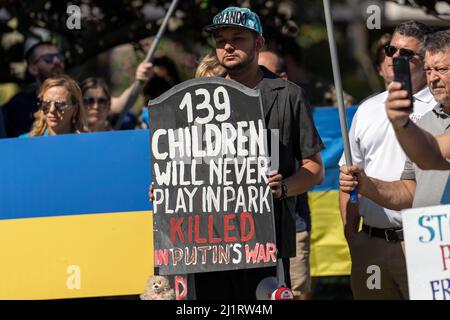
(375, 148)
(431, 185)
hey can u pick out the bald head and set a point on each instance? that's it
(273, 62)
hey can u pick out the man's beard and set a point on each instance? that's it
(56, 71)
(239, 66)
(53, 72)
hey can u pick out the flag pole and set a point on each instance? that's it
(339, 91)
(137, 85)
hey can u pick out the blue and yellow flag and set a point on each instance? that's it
(75, 220)
(329, 250)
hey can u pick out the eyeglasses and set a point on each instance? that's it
(391, 50)
(60, 106)
(101, 102)
(48, 58)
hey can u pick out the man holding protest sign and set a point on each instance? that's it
(238, 37)
(215, 175)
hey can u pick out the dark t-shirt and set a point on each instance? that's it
(302, 213)
(19, 112)
(285, 109)
(318, 91)
(2, 125)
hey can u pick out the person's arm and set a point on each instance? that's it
(350, 211)
(349, 214)
(427, 151)
(309, 174)
(143, 73)
(419, 145)
(395, 195)
(307, 146)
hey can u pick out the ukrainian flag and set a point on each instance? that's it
(329, 251)
(75, 220)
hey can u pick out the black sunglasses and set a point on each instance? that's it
(391, 50)
(48, 58)
(90, 101)
(59, 105)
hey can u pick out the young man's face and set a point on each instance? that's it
(237, 47)
(437, 68)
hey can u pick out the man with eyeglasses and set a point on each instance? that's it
(44, 60)
(376, 150)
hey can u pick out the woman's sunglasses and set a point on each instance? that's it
(59, 105)
(101, 102)
(391, 50)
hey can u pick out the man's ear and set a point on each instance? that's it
(260, 43)
(33, 70)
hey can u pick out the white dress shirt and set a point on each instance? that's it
(375, 148)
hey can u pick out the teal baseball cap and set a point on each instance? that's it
(236, 17)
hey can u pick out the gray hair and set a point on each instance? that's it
(438, 41)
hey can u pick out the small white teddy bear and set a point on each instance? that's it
(158, 288)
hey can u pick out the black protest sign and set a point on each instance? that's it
(213, 207)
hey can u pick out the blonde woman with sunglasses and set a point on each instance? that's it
(60, 108)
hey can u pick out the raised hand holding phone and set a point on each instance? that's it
(402, 74)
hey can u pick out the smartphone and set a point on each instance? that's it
(403, 75)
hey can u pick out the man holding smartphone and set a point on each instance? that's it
(419, 143)
(376, 150)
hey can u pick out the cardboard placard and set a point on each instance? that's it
(210, 159)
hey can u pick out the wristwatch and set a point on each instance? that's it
(284, 190)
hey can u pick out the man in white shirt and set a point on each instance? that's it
(377, 251)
